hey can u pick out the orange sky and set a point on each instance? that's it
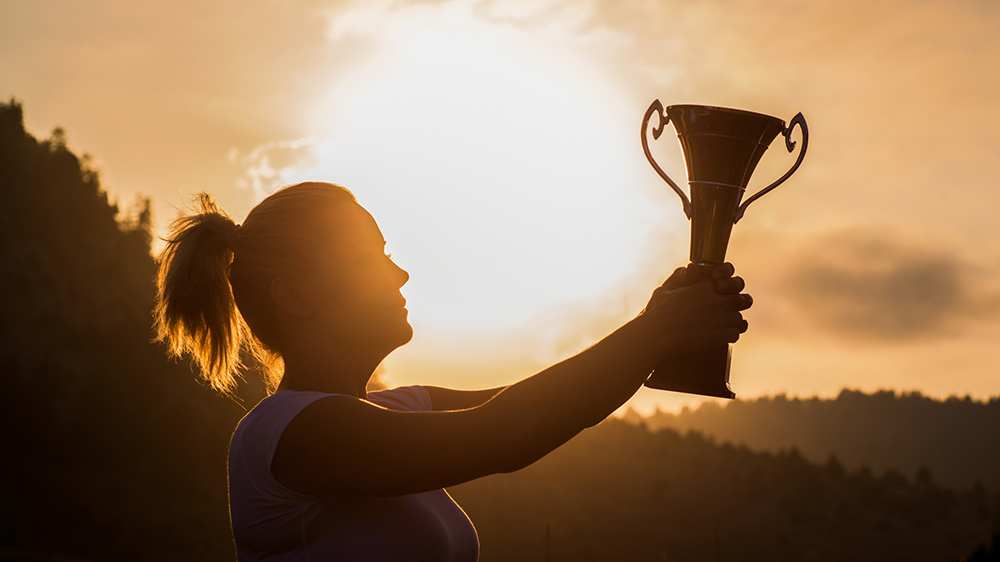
(497, 144)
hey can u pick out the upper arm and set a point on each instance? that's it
(341, 444)
(445, 399)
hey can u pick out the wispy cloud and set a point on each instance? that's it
(867, 283)
(273, 164)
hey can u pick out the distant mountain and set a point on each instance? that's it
(954, 441)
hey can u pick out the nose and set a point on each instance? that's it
(401, 274)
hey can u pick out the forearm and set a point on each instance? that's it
(545, 410)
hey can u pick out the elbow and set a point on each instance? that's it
(593, 420)
(531, 449)
(517, 463)
(510, 452)
(512, 442)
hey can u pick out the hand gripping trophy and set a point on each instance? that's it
(721, 149)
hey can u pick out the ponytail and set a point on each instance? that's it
(213, 295)
(195, 311)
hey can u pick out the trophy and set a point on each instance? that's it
(721, 149)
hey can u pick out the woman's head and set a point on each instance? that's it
(350, 293)
(223, 287)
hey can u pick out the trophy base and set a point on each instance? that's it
(705, 373)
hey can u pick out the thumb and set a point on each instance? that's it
(676, 280)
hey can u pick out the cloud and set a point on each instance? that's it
(884, 285)
(273, 164)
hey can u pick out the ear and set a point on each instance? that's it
(289, 297)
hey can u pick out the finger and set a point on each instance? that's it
(732, 319)
(731, 286)
(731, 335)
(738, 302)
(724, 271)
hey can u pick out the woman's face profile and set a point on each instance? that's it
(355, 286)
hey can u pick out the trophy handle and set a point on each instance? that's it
(657, 108)
(790, 145)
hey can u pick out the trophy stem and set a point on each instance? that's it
(703, 372)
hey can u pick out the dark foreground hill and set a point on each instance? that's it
(956, 441)
(112, 453)
(621, 492)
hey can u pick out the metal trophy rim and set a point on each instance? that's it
(664, 119)
(726, 109)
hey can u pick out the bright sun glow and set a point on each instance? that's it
(502, 171)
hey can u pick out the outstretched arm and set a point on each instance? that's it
(344, 445)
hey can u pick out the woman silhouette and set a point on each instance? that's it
(322, 470)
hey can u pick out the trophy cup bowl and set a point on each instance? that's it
(721, 149)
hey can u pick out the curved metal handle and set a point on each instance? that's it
(790, 145)
(657, 108)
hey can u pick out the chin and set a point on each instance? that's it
(399, 335)
(406, 334)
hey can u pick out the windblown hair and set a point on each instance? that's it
(214, 278)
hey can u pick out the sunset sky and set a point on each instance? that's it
(497, 144)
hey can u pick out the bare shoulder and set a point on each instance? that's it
(317, 434)
(345, 445)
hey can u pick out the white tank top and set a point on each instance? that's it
(273, 523)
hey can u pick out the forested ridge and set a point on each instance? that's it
(956, 441)
(113, 452)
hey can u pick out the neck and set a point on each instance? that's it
(331, 371)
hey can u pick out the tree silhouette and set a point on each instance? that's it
(111, 452)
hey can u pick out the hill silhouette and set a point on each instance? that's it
(955, 441)
(112, 452)
(621, 492)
